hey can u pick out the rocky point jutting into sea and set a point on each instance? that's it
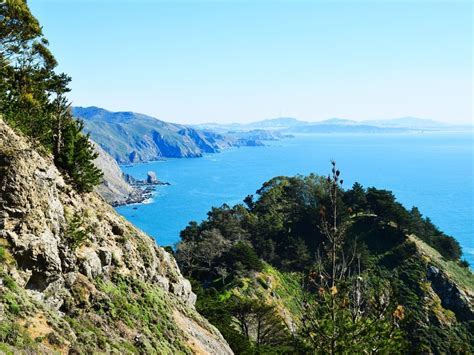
(118, 188)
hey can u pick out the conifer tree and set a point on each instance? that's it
(76, 156)
(32, 96)
(350, 311)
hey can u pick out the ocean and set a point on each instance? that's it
(433, 171)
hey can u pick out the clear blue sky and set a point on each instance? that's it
(194, 61)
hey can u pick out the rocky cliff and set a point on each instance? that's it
(114, 188)
(76, 277)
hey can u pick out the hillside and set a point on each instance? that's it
(75, 277)
(400, 283)
(132, 137)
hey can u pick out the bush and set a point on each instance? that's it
(447, 247)
(76, 233)
(12, 334)
(9, 282)
(242, 257)
(76, 157)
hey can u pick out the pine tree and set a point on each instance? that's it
(76, 156)
(32, 96)
(348, 312)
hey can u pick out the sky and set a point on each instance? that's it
(239, 61)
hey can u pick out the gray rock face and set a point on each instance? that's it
(452, 297)
(151, 178)
(114, 188)
(130, 179)
(36, 209)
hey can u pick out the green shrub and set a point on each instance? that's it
(243, 258)
(12, 334)
(9, 282)
(9, 332)
(77, 234)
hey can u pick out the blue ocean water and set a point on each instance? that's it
(433, 171)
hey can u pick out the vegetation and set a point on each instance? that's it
(351, 311)
(358, 272)
(303, 267)
(137, 307)
(248, 312)
(124, 315)
(77, 234)
(33, 96)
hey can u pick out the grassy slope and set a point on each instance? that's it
(283, 290)
(463, 277)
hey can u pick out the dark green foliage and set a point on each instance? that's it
(286, 218)
(76, 157)
(242, 257)
(384, 205)
(218, 313)
(348, 311)
(281, 225)
(9, 283)
(378, 236)
(428, 232)
(32, 96)
(249, 325)
(406, 275)
(333, 313)
(356, 198)
(169, 249)
(447, 246)
(258, 321)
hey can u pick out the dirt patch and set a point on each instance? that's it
(36, 326)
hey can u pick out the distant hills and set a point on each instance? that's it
(411, 122)
(131, 137)
(293, 125)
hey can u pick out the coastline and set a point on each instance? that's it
(143, 194)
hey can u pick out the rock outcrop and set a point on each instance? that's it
(118, 188)
(451, 295)
(68, 261)
(114, 188)
(151, 178)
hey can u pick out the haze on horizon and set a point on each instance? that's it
(241, 61)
